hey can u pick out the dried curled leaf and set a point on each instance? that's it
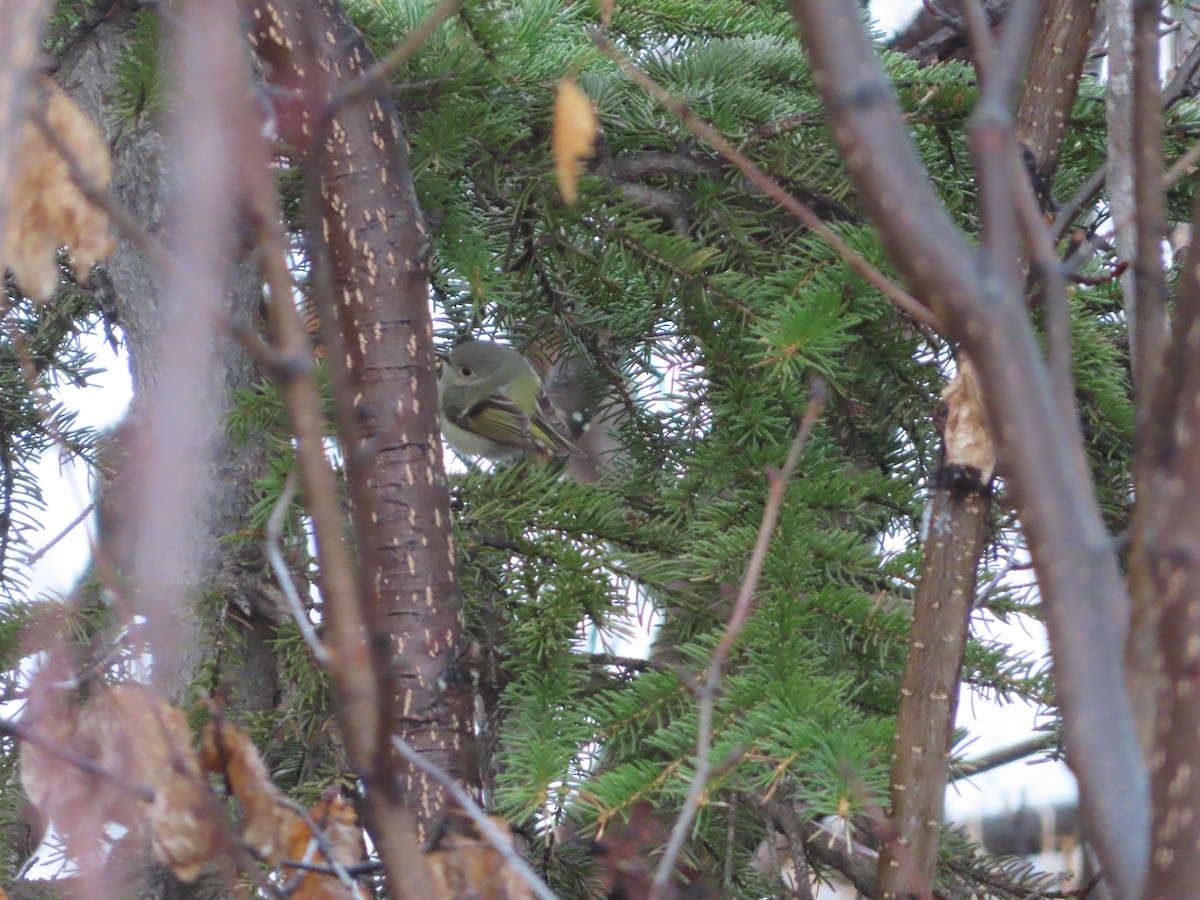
(48, 210)
(127, 730)
(574, 136)
(463, 867)
(968, 441)
(226, 750)
(183, 830)
(338, 821)
(78, 803)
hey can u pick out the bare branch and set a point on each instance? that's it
(324, 844)
(1148, 334)
(174, 443)
(1004, 756)
(67, 529)
(284, 577)
(1085, 598)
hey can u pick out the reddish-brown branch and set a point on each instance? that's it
(1085, 599)
(1167, 569)
(359, 674)
(1051, 81)
(368, 248)
(929, 693)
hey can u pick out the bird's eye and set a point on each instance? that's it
(465, 371)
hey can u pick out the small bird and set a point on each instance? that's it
(493, 405)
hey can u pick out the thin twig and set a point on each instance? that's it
(944, 17)
(979, 31)
(1054, 283)
(370, 867)
(765, 183)
(323, 843)
(1083, 197)
(42, 401)
(989, 589)
(486, 826)
(707, 691)
(1180, 167)
(1004, 756)
(1175, 90)
(71, 526)
(283, 576)
(379, 72)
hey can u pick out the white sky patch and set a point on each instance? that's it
(66, 484)
(892, 15)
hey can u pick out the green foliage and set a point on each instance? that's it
(40, 350)
(140, 88)
(706, 312)
(717, 310)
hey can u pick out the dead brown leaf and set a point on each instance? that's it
(469, 866)
(125, 729)
(574, 136)
(968, 440)
(338, 821)
(48, 211)
(226, 750)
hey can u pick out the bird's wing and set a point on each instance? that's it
(498, 419)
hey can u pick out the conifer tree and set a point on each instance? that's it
(788, 424)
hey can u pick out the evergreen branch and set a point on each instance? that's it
(668, 265)
(382, 70)
(42, 401)
(707, 690)
(902, 298)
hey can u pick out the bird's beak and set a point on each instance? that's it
(442, 357)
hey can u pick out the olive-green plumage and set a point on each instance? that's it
(493, 405)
